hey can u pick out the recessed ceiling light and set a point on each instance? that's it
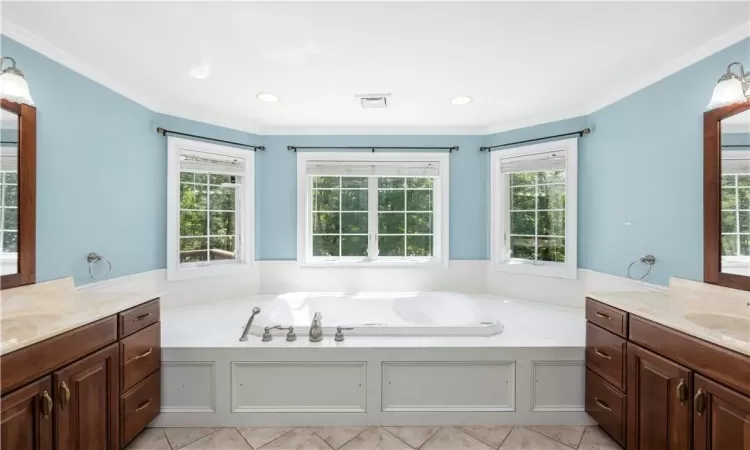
(268, 97)
(461, 100)
(201, 72)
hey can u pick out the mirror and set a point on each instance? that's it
(9, 125)
(726, 196)
(17, 194)
(735, 194)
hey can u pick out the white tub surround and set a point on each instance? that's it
(36, 312)
(380, 314)
(531, 373)
(724, 321)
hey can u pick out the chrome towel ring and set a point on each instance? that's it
(649, 260)
(93, 258)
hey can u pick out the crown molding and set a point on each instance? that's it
(389, 130)
(539, 119)
(670, 67)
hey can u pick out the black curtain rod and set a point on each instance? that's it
(371, 148)
(572, 133)
(164, 132)
(8, 142)
(736, 146)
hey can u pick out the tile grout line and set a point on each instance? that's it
(429, 438)
(243, 438)
(405, 443)
(513, 427)
(272, 440)
(528, 427)
(344, 444)
(191, 442)
(324, 441)
(585, 429)
(461, 429)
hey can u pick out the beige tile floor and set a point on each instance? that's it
(376, 438)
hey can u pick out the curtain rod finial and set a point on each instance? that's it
(261, 148)
(453, 149)
(483, 149)
(585, 131)
(161, 131)
(291, 147)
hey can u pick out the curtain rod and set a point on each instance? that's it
(572, 133)
(450, 149)
(164, 132)
(736, 146)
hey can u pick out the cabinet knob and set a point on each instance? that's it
(700, 402)
(64, 394)
(46, 405)
(682, 391)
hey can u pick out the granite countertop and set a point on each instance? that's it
(714, 314)
(35, 313)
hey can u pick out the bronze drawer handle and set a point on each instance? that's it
(143, 405)
(682, 391)
(141, 317)
(602, 354)
(602, 315)
(46, 405)
(64, 394)
(602, 404)
(143, 355)
(700, 402)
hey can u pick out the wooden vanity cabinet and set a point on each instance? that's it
(681, 392)
(67, 392)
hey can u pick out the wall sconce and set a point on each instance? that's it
(731, 88)
(13, 85)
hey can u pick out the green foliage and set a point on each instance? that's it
(326, 200)
(419, 200)
(743, 180)
(10, 194)
(326, 223)
(354, 200)
(729, 245)
(353, 245)
(728, 198)
(325, 245)
(353, 223)
(391, 245)
(419, 223)
(522, 247)
(728, 180)
(522, 198)
(10, 219)
(728, 222)
(391, 223)
(523, 222)
(391, 200)
(551, 223)
(551, 249)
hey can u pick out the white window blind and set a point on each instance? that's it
(195, 161)
(539, 162)
(364, 169)
(735, 166)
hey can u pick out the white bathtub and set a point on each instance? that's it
(379, 314)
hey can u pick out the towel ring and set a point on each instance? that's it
(649, 260)
(93, 258)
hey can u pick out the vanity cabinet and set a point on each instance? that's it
(95, 387)
(677, 392)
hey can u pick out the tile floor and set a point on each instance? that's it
(376, 438)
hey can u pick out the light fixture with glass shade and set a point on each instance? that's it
(13, 85)
(731, 88)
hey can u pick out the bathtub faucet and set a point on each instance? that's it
(256, 311)
(316, 330)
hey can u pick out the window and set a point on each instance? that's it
(210, 204)
(534, 199)
(735, 212)
(372, 208)
(8, 210)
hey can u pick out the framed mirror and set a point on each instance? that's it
(17, 194)
(726, 196)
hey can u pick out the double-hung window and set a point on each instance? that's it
(210, 209)
(372, 209)
(8, 210)
(534, 208)
(735, 212)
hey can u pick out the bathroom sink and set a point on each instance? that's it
(736, 327)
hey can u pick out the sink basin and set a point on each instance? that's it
(736, 327)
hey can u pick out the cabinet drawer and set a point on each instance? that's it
(140, 355)
(605, 355)
(606, 405)
(138, 318)
(607, 317)
(139, 406)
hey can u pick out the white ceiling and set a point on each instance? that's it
(523, 63)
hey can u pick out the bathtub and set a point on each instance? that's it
(380, 314)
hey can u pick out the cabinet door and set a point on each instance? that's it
(721, 417)
(658, 402)
(86, 407)
(26, 418)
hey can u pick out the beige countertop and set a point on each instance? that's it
(714, 314)
(34, 313)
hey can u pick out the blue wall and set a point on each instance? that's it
(643, 165)
(102, 170)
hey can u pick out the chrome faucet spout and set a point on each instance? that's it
(316, 329)
(256, 311)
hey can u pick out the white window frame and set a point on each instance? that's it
(500, 199)
(441, 186)
(244, 242)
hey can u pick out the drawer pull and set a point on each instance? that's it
(602, 354)
(602, 315)
(602, 404)
(143, 405)
(682, 391)
(141, 317)
(64, 394)
(46, 405)
(143, 355)
(700, 402)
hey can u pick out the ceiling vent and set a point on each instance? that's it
(371, 101)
